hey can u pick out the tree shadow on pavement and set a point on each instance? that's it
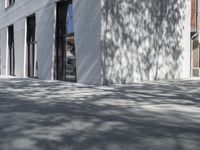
(42, 115)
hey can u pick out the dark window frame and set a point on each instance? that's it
(32, 66)
(9, 3)
(11, 50)
(60, 72)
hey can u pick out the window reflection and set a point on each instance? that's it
(70, 20)
(65, 55)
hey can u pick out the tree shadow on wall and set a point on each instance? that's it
(142, 39)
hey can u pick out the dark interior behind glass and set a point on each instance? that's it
(65, 43)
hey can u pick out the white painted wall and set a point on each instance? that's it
(45, 38)
(45, 28)
(87, 19)
(3, 50)
(19, 39)
(87, 14)
(145, 40)
(116, 41)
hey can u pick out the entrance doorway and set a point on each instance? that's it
(31, 47)
(65, 68)
(11, 50)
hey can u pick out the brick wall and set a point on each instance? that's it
(194, 15)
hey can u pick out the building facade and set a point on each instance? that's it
(96, 41)
(195, 38)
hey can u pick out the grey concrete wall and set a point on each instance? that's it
(87, 20)
(3, 50)
(19, 41)
(145, 40)
(45, 33)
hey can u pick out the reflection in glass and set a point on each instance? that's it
(65, 54)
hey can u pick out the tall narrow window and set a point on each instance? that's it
(11, 50)
(31, 47)
(65, 52)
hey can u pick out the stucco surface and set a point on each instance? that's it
(116, 41)
(87, 20)
(3, 51)
(145, 40)
(19, 39)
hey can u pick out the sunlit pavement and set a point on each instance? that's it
(52, 115)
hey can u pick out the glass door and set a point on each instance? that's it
(65, 52)
(31, 45)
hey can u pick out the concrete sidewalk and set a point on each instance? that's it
(45, 115)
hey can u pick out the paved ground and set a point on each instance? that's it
(41, 115)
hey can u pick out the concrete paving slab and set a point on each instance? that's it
(54, 115)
